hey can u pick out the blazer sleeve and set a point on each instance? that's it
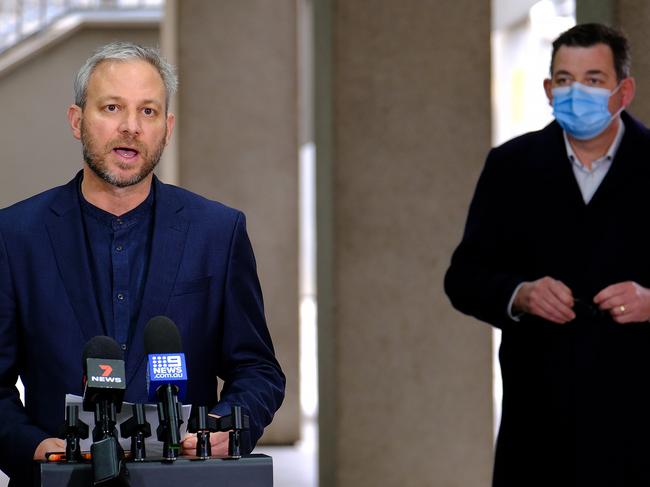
(483, 272)
(252, 376)
(19, 437)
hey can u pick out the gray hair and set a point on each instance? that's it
(124, 51)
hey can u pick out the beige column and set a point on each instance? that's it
(402, 130)
(602, 11)
(633, 17)
(237, 143)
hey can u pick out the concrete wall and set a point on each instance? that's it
(633, 17)
(237, 143)
(603, 11)
(38, 150)
(402, 130)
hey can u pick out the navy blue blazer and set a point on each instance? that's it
(202, 274)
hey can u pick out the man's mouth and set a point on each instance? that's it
(126, 152)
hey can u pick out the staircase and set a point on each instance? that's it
(27, 26)
(23, 19)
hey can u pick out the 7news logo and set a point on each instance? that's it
(105, 373)
(107, 369)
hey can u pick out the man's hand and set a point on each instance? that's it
(49, 445)
(218, 444)
(626, 302)
(547, 298)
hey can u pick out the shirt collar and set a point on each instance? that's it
(609, 156)
(110, 220)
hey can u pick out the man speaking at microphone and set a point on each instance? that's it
(115, 247)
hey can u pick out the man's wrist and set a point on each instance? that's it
(514, 314)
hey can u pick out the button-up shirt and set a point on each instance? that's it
(118, 252)
(589, 179)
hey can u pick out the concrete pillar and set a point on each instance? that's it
(602, 11)
(402, 131)
(237, 143)
(633, 17)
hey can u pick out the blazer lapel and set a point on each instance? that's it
(554, 170)
(65, 227)
(168, 242)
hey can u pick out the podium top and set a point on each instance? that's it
(254, 470)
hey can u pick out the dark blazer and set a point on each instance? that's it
(202, 275)
(576, 406)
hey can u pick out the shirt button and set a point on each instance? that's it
(120, 296)
(118, 248)
(123, 346)
(119, 221)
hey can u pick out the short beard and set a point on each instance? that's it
(98, 165)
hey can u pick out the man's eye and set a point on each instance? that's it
(149, 111)
(111, 108)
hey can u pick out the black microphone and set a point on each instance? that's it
(166, 379)
(104, 382)
(104, 378)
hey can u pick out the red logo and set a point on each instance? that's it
(107, 370)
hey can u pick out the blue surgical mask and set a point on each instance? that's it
(582, 110)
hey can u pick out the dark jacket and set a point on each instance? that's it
(576, 404)
(202, 275)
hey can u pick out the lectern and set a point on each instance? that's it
(254, 470)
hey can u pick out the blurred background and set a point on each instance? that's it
(351, 133)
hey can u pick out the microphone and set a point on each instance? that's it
(166, 380)
(104, 382)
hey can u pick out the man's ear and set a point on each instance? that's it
(75, 114)
(548, 89)
(171, 121)
(628, 90)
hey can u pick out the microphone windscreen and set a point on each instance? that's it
(161, 336)
(102, 347)
(104, 376)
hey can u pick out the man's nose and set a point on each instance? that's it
(130, 124)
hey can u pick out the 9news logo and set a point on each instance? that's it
(167, 366)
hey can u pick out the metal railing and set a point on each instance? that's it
(20, 19)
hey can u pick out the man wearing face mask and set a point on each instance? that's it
(556, 254)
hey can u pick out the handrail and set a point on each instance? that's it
(20, 19)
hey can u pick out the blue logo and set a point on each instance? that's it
(168, 366)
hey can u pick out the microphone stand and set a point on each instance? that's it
(203, 424)
(137, 428)
(73, 430)
(107, 454)
(105, 420)
(199, 425)
(170, 417)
